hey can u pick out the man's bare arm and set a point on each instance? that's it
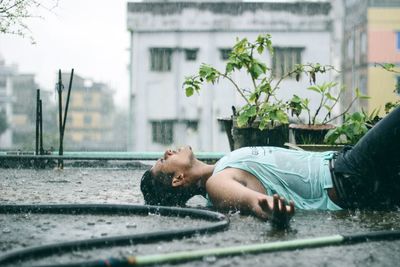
(227, 193)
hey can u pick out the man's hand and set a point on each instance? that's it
(279, 214)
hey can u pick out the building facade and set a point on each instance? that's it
(90, 116)
(371, 39)
(6, 99)
(170, 40)
(18, 104)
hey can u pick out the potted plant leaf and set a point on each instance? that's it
(356, 125)
(319, 120)
(263, 119)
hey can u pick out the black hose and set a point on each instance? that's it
(220, 223)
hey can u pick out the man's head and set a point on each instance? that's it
(158, 190)
(169, 181)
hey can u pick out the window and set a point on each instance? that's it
(284, 59)
(398, 85)
(398, 41)
(87, 98)
(163, 132)
(192, 125)
(160, 59)
(87, 119)
(191, 54)
(224, 53)
(3, 82)
(350, 48)
(363, 43)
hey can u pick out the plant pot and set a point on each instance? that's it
(227, 124)
(276, 135)
(309, 134)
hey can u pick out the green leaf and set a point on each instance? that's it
(315, 88)
(361, 95)
(189, 91)
(330, 97)
(251, 112)
(242, 120)
(256, 70)
(260, 49)
(253, 97)
(229, 68)
(357, 116)
(388, 66)
(282, 117)
(265, 87)
(329, 108)
(263, 124)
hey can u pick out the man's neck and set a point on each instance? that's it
(201, 172)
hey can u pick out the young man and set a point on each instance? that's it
(270, 182)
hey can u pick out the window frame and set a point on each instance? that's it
(191, 54)
(161, 59)
(398, 41)
(162, 131)
(290, 56)
(224, 53)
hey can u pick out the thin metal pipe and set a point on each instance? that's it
(37, 121)
(106, 155)
(67, 103)
(60, 121)
(41, 127)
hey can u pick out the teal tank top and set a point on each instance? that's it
(301, 176)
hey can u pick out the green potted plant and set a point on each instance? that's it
(356, 125)
(317, 124)
(263, 119)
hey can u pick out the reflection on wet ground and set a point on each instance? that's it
(88, 185)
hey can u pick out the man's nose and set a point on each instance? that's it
(167, 153)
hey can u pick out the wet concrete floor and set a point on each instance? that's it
(121, 185)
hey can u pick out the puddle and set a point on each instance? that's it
(90, 185)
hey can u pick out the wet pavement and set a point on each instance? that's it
(121, 186)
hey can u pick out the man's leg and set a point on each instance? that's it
(369, 172)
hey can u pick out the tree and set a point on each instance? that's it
(14, 15)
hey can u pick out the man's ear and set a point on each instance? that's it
(177, 180)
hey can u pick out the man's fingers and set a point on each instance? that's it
(291, 204)
(276, 203)
(264, 204)
(283, 206)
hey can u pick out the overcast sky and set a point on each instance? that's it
(87, 35)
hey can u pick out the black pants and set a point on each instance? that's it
(368, 174)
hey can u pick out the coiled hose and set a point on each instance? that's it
(219, 222)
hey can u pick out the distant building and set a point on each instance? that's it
(24, 111)
(372, 37)
(90, 115)
(18, 101)
(169, 40)
(6, 100)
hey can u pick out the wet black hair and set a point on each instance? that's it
(158, 190)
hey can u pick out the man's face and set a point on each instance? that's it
(174, 161)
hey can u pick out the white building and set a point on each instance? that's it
(170, 40)
(7, 73)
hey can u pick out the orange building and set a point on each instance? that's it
(371, 39)
(90, 115)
